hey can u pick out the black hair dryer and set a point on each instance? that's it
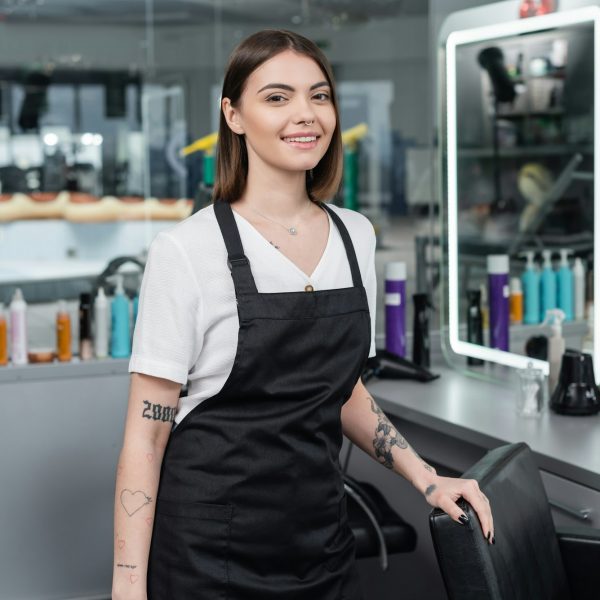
(576, 392)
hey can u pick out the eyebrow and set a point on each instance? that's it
(289, 88)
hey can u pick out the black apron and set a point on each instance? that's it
(251, 502)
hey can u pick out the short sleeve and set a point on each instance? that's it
(371, 289)
(168, 333)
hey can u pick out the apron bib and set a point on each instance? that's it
(251, 502)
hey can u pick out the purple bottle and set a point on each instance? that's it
(498, 298)
(395, 301)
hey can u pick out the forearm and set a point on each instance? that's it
(135, 495)
(366, 425)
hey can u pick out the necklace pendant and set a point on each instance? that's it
(293, 231)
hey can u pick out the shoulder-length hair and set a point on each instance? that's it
(232, 155)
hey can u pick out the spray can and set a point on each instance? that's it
(497, 267)
(395, 302)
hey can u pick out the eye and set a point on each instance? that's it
(274, 98)
(323, 96)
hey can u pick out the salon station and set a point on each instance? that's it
(471, 142)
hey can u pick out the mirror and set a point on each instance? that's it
(521, 152)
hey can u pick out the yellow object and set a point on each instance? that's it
(63, 334)
(352, 136)
(204, 144)
(516, 308)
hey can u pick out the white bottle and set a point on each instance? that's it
(578, 289)
(556, 345)
(588, 340)
(101, 324)
(18, 328)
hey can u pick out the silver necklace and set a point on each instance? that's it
(293, 230)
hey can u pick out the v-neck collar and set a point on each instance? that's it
(310, 277)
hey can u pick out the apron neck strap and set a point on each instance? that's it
(238, 263)
(350, 253)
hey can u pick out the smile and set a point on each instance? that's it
(303, 140)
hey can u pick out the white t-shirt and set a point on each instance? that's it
(187, 323)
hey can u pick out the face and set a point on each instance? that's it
(280, 98)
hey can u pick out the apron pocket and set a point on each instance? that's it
(189, 551)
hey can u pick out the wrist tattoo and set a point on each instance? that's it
(126, 566)
(158, 412)
(386, 437)
(430, 489)
(134, 501)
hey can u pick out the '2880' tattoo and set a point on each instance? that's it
(158, 412)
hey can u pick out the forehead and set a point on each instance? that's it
(289, 67)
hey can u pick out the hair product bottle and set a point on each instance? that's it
(85, 326)
(564, 280)
(516, 301)
(120, 344)
(547, 285)
(395, 301)
(531, 290)
(18, 328)
(497, 267)
(556, 345)
(421, 344)
(63, 333)
(101, 325)
(3, 337)
(474, 323)
(578, 290)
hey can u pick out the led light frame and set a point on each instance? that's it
(589, 14)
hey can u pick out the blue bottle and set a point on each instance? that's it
(531, 290)
(547, 285)
(120, 344)
(564, 280)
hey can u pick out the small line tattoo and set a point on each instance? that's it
(134, 501)
(158, 412)
(126, 566)
(386, 437)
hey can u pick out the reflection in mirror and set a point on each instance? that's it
(521, 188)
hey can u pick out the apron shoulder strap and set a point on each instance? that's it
(350, 253)
(238, 263)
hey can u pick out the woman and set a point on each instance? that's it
(258, 300)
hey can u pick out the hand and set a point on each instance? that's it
(443, 492)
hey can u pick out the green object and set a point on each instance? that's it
(208, 171)
(351, 178)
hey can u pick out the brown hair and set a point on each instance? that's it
(232, 156)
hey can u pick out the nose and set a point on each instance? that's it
(305, 112)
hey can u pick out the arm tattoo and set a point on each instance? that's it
(430, 489)
(126, 566)
(425, 465)
(134, 501)
(158, 412)
(386, 437)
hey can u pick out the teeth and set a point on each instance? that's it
(301, 139)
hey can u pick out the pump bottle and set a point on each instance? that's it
(547, 285)
(564, 280)
(120, 344)
(531, 290)
(556, 345)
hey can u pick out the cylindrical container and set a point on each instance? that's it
(421, 344)
(85, 326)
(18, 328)
(474, 324)
(579, 289)
(101, 324)
(395, 301)
(516, 301)
(3, 337)
(498, 295)
(63, 333)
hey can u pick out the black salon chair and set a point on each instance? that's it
(530, 559)
(377, 528)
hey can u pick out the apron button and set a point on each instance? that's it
(309, 288)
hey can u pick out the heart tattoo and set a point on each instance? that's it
(133, 501)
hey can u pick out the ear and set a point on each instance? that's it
(232, 116)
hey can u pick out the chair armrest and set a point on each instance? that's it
(580, 551)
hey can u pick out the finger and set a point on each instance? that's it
(454, 511)
(475, 497)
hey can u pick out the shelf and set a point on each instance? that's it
(525, 151)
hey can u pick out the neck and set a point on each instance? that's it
(277, 193)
